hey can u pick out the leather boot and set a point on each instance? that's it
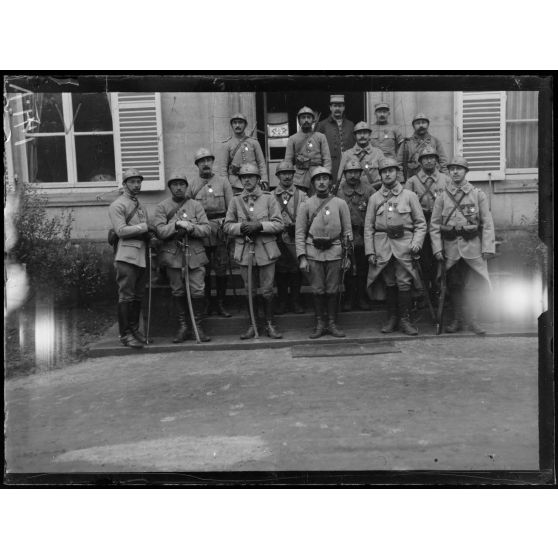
(405, 324)
(456, 323)
(281, 280)
(208, 310)
(391, 304)
(250, 333)
(270, 328)
(331, 316)
(294, 283)
(183, 332)
(221, 284)
(349, 294)
(126, 337)
(470, 311)
(134, 316)
(363, 301)
(198, 305)
(320, 328)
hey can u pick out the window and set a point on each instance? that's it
(522, 132)
(87, 139)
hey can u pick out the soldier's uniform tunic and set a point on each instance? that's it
(256, 206)
(130, 257)
(369, 158)
(333, 221)
(306, 151)
(387, 138)
(171, 254)
(235, 153)
(339, 139)
(400, 214)
(414, 146)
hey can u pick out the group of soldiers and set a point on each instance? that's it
(359, 210)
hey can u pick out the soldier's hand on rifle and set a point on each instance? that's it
(186, 225)
(439, 256)
(372, 259)
(415, 249)
(303, 264)
(347, 264)
(264, 185)
(250, 227)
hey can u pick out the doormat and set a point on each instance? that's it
(343, 349)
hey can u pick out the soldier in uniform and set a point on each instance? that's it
(175, 218)
(239, 150)
(428, 184)
(215, 194)
(129, 222)
(307, 150)
(385, 136)
(288, 275)
(338, 130)
(412, 147)
(462, 233)
(254, 219)
(366, 154)
(356, 194)
(323, 232)
(394, 231)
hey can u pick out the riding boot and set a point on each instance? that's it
(126, 337)
(363, 301)
(183, 332)
(349, 294)
(320, 328)
(198, 305)
(405, 324)
(294, 283)
(251, 332)
(208, 309)
(221, 284)
(391, 304)
(456, 323)
(281, 281)
(470, 311)
(133, 316)
(331, 316)
(270, 328)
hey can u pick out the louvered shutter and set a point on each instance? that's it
(139, 143)
(480, 133)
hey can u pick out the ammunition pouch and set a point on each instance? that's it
(302, 162)
(396, 231)
(470, 231)
(234, 169)
(112, 238)
(448, 233)
(322, 242)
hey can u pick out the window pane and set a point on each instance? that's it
(46, 111)
(46, 159)
(521, 104)
(95, 158)
(521, 145)
(91, 112)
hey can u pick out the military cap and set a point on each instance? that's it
(427, 151)
(459, 161)
(319, 170)
(362, 126)
(378, 106)
(337, 99)
(202, 153)
(388, 163)
(284, 166)
(305, 110)
(248, 169)
(421, 116)
(352, 164)
(239, 116)
(131, 173)
(177, 175)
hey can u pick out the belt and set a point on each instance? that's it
(216, 215)
(310, 235)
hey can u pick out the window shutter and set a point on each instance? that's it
(140, 137)
(480, 132)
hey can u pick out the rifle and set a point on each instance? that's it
(441, 300)
(185, 244)
(346, 262)
(405, 158)
(416, 264)
(146, 326)
(250, 301)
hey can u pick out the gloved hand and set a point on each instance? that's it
(186, 225)
(250, 227)
(303, 264)
(372, 259)
(439, 256)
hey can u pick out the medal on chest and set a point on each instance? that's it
(184, 215)
(390, 206)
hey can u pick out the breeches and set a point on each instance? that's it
(395, 275)
(177, 285)
(361, 261)
(324, 276)
(131, 281)
(461, 276)
(260, 274)
(218, 259)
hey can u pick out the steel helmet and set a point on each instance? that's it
(459, 161)
(284, 166)
(239, 116)
(421, 116)
(177, 175)
(388, 163)
(319, 170)
(202, 153)
(249, 168)
(352, 164)
(131, 173)
(305, 110)
(427, 151)
(362, 126)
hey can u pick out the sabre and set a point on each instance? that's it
(416, 265)
(148, 298)
(441, 300)
(186, 277)
(250, 301)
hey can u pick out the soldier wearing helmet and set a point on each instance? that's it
(366, 154)
(214, 194)
(323, 229)
(175, 218)
(412, 147)
(287, 274)
(338, 130)
(356, 193)
(254, 219)
(129, 222)
(394, 231)
(385, 136)
(307, 150)
(462, 234)
(238, 150)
